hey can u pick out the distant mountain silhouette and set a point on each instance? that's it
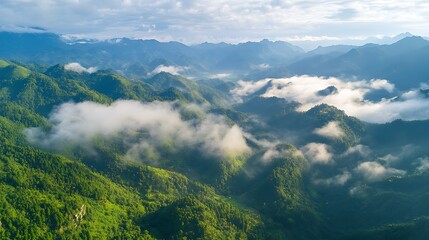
(140, 57)
(403, 63)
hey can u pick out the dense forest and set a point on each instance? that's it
(94, 155)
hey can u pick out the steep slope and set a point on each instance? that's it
(193, 218)
(51, 197)
(393, 208)
(39, 92)
(278, 189)
(43, 192)
(96, 196)
(297, 127)
(192, 91)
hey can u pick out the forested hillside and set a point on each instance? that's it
(94, 155)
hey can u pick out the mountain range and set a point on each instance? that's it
(138, 139)
(402, 62)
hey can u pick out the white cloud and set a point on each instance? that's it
(382, 84)
(76, 67)
(350, 97)
(220, 75)
(362, 150)
(359, 191)
(175, 70)
(272, 153)
(423, 164)
(388, 159)
(330, 130)
(247, 88)
(339, 179)
(80, 123)
(405, 152)
(374, 171)
(317, 153)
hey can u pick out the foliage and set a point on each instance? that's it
(101, 194)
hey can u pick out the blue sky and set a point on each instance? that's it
(197, 21)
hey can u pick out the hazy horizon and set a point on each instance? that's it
(303, 23)
(306, 45)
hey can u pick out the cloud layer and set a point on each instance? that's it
(374, 171)
(175, 70)
(76, 67)
(81, 123)
(339, 179)
(349, 96)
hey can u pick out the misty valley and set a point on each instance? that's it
(142, 139)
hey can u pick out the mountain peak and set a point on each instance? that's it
(404, 35)
(412, 41)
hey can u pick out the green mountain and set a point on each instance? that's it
(282, 117)
(49, 196)
(192, 91)
(214, 171)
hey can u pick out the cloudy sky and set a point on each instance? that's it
(196, 21)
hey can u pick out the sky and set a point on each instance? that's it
(197, 21)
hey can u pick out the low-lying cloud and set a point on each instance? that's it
(175, 70)
(247, 88)
(423, 164)
(274, 152)
(374, 171)
(361, 150)
(76, 67)
(317, 153)
(349, 96)
(330, 130)
(337, 180)
(80, 123)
